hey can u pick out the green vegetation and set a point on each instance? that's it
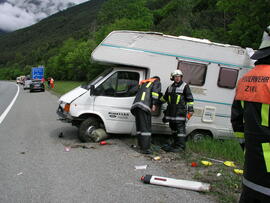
(63, 42)
(218, 149)
(61, 87)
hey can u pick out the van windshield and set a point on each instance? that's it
(97, 79)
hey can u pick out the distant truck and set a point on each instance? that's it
(211, 69)
(37, 72)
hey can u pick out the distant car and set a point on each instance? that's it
(26, 84)
(37, 85)
(18, 80)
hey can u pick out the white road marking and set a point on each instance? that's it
(4, 114)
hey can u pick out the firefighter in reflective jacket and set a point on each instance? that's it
(180, 104)
(146, 100)
(251, 118)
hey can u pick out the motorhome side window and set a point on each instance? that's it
(227, 77)
(194, 73)
(120, 84)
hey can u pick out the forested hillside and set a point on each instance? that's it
(63, 42)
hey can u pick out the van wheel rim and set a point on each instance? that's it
(90, 130)
(198, 137)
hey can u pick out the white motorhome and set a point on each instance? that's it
(211, 70)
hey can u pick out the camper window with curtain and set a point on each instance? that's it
(194, 73)
(227, 77)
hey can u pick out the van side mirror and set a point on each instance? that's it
(92, 89)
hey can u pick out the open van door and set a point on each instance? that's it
(114, 97)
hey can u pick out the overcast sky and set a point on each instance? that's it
(16, 14)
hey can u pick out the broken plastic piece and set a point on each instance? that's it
(207, 163)
(238, 171)
(103, 143)
(67, 149)
(229, 163)
(156, 158)
(218, 174)
(194, 164)
(141, 167)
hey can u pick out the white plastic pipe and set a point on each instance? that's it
(177, 183)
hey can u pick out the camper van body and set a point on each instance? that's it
(211, 69)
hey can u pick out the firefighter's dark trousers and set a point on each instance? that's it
(143, 128)
(250, 196)
(179, 134)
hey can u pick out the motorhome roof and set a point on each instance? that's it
(205, 41)
(194, 39)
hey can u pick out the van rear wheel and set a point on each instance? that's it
(86, 129)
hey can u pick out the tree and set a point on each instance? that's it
(249, 20)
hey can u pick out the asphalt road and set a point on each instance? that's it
(35, 167)
(7, 93)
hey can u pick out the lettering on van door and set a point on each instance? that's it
(118, 115)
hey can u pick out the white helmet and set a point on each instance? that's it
(176, 73)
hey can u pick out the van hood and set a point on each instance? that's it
(72, 95)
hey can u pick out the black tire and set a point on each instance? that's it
(86, 128)
(199, 135)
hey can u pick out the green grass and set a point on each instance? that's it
(61, 87)
(218, 149)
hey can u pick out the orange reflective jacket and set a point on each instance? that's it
(148, 80)
(254, 86)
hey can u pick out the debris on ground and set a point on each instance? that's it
(61, 135)
(238, 171)
(103, 143)
(229, 163)
(133, 146)
(215, 160)
(176, 183)
(207, 163)
(219, 174)
(67, 149)
(18, 174)
(194, 164)
(142, 167)
(82, 145)
(156, 158)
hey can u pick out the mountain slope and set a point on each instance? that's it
(49, 33)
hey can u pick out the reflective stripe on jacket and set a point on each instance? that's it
(180, 101)
(147, 95)
(250, 114)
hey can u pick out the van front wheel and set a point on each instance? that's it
(86, 129)
(197, 136)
